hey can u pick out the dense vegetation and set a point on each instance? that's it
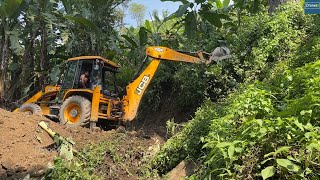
(37, 35)
(267, 127)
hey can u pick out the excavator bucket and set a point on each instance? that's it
(219, 54)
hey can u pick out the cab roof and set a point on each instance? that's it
(109, 62)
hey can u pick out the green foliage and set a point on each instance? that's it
(35, 33)
(310, 50)
(8, 8)
(265, 40)
(253, 103)
(267, 128)
(259, 46)
(190, 82)
(82, 166)
(122, 155)
(257, 138)
(268, 172)
(182, 145)
(173, 128)
(65, 170)
(216, 13)
(137, 12)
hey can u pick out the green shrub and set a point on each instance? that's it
(262, 135)
(264, 40)
(186, 143)
(82, 166)
(261, 49)
(307, 53)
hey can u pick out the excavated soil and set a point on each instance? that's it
(27, 149)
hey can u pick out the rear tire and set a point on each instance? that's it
(31, 108)
(75, 111)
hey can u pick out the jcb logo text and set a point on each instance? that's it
(142, 84)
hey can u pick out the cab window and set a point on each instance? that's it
(96, 77)
(70, 75)
(108, 81)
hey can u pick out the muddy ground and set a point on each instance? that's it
(27, 150)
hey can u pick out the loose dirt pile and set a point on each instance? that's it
(27, 149)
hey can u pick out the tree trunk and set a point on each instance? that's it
(4, 65)
(44, 61)
(44, 53)
(12, 91)
(1, 49)
(27, 67)
(28, 60)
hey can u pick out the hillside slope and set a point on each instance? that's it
(268, 127)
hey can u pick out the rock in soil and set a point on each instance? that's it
(184, 169)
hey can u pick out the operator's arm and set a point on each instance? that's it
(83, 80)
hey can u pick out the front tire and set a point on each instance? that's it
(75, 111)
(31, 108)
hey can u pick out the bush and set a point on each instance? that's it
(266, 128)
(182, 145)
(262, 139)
(82, 166)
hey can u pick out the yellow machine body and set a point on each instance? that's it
(113, 108)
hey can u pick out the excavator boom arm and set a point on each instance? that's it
(136, 89)
(164, 53)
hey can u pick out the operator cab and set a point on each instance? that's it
(87, 72)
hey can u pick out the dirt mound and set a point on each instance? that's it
(25, 147)
(127, 154)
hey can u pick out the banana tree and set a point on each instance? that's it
(91, 25)
(9, 13)
(198, 13)
(33, 43)
(157, 32)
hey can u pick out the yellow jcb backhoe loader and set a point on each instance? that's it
(75, 105)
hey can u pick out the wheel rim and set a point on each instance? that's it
(72, 113)
(29, 111)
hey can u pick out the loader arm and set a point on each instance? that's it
(138, 86)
